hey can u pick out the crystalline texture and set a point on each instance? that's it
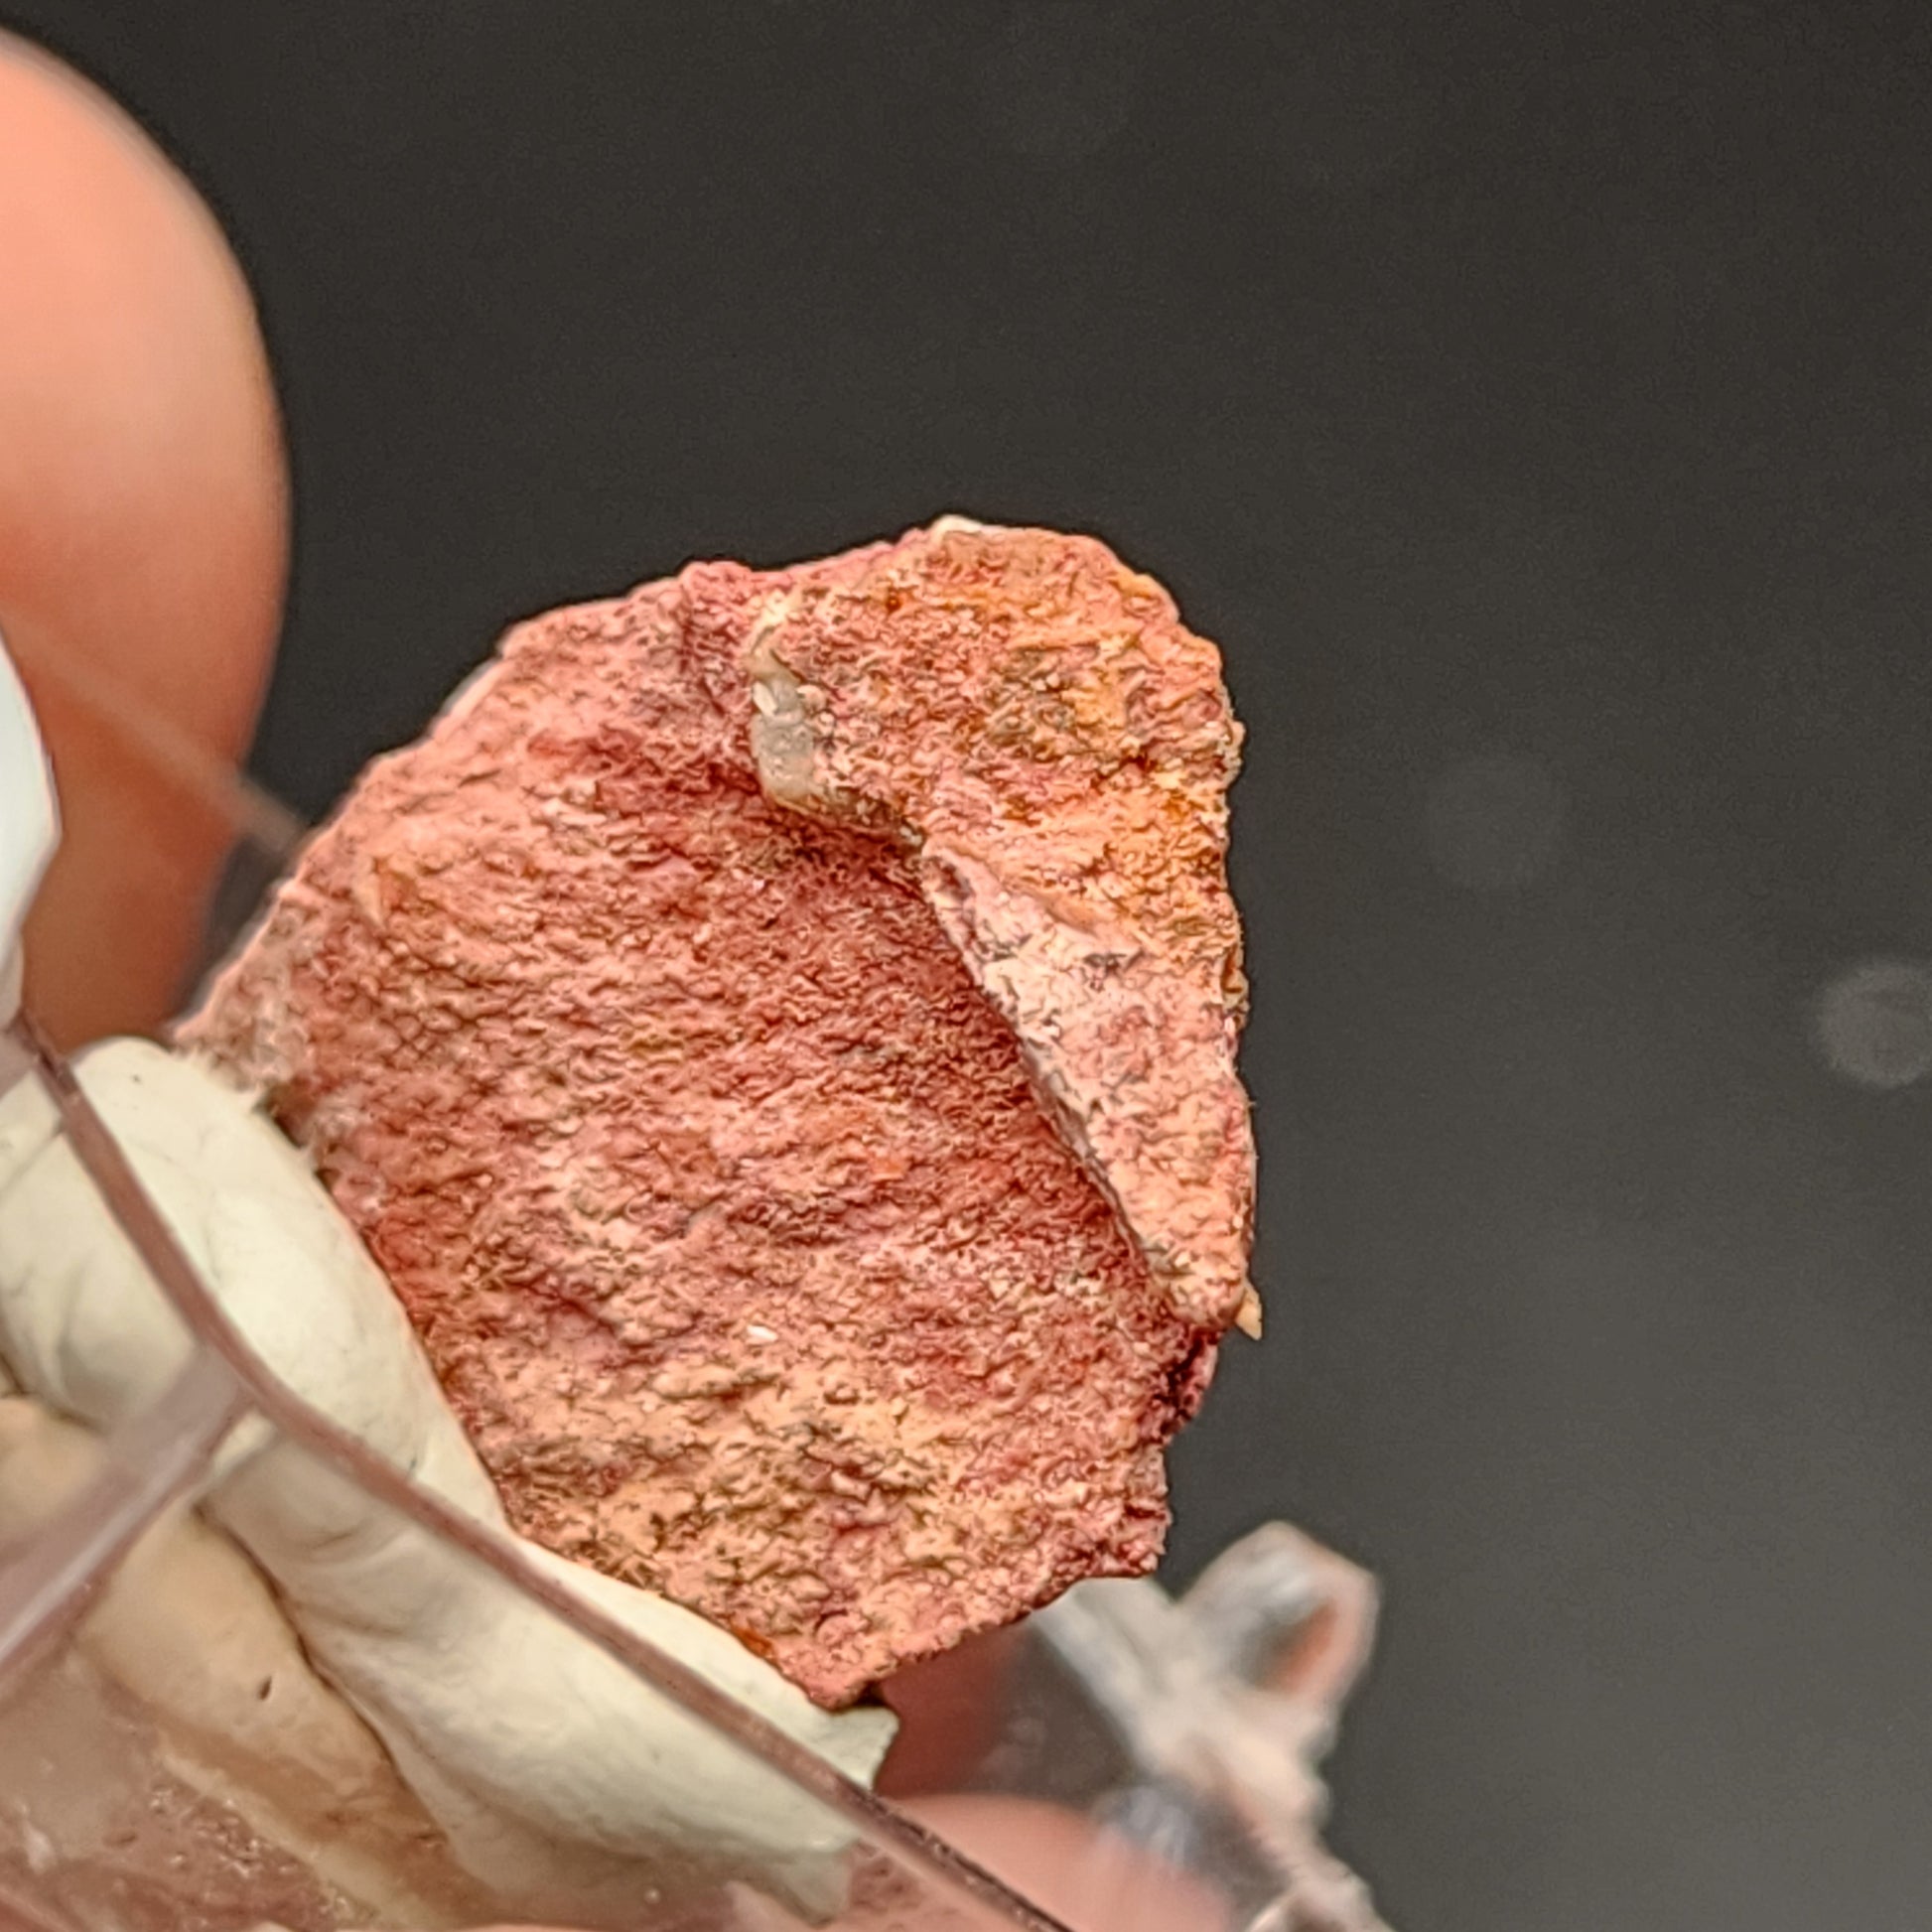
(777, 1032)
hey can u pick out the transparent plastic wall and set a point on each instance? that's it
(170, 1761)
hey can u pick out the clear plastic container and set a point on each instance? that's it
(171, 1763)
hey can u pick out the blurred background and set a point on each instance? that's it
(1534, 404)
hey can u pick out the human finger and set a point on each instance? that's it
(143, 533)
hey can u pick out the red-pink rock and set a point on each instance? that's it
(776, 1031)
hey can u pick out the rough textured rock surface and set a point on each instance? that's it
(776, 1031)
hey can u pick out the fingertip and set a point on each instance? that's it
(143, 529)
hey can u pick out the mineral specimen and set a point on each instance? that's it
(777, 1032)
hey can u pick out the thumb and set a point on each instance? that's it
(143, 533)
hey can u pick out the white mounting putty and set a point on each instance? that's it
(29, 823)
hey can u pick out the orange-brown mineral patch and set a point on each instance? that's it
(776, 1031)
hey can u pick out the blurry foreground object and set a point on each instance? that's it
(143, 533)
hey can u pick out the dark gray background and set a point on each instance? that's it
(1545, 391)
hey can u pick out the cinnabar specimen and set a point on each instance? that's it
(776, 1030)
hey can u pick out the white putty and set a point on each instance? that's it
(544, 1761)
(29, 824)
